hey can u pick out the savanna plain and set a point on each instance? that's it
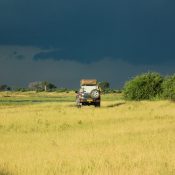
(45, 134)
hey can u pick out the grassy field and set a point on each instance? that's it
(45, 134)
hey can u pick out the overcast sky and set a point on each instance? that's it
(62, 41)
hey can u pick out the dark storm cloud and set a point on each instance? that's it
(64, 73)
(89, 30)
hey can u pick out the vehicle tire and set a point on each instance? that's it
(97, 104)
(95, 94)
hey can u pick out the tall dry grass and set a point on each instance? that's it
(132, 138)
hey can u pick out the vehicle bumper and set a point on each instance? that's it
(89, 100)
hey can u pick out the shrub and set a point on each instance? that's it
(104, 86)
(62, 90)
(168, 87)
(5, 87)
(108, 91)
(21, 89)
(143, 87)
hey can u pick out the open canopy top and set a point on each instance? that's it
(86, 82)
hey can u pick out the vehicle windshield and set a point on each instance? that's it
(88, 89)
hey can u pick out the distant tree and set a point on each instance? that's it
(45, 85)
(4, 87)
(51, 86)
(19, 89)
(41, 86)
(104, 85)
(35, 86)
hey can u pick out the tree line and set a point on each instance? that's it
(40, 86)
(146, 86)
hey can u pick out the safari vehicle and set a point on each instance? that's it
(88, 94)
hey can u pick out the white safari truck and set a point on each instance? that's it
(89, 93)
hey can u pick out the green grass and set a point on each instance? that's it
(31, 100)
(24, 98)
